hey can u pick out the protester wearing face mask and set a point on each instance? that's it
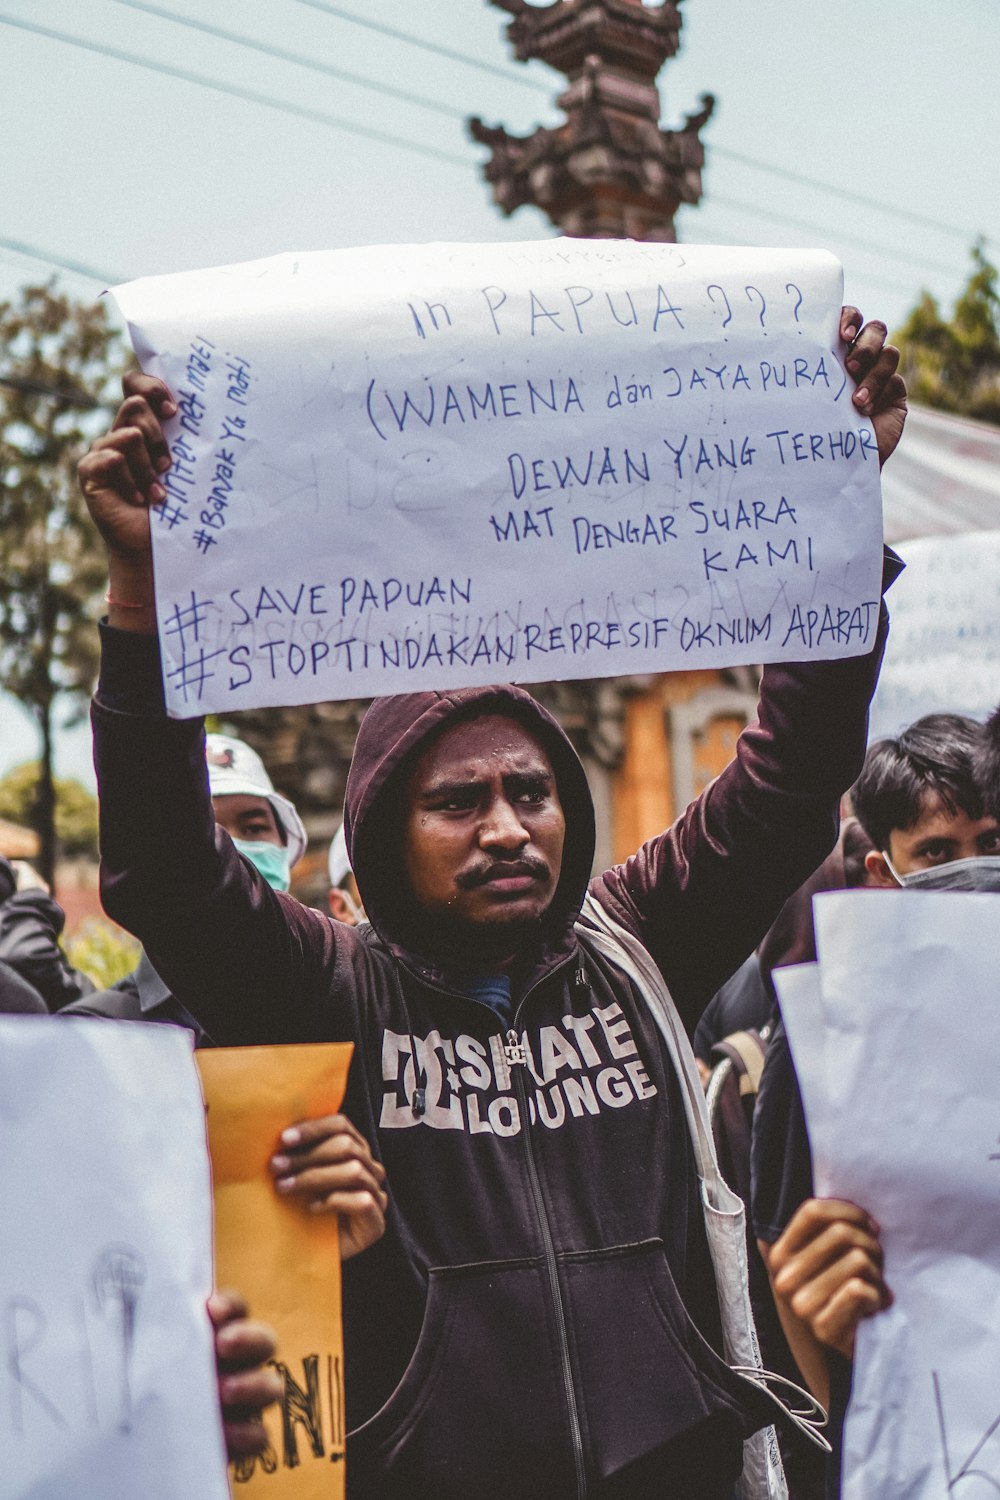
(923, 801)
(263, 824)
(988, 763)
(920, 802)
(266, 829)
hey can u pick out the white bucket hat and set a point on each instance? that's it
(235, 770)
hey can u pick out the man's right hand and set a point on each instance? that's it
(328, 1165)
(120, 477)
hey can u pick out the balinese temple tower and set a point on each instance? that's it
(610, 170)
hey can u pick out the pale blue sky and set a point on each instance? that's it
(108, 165)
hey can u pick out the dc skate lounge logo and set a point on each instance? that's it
(585, 1065)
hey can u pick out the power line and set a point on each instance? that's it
(387, 138)
(342, 14)
(319, 117)
(854, 271)
(868, 278)
(70, 394)
(33, 253)
(342, 75)
(800, 179)
(450, 111)
(845, 236)
(920, 220)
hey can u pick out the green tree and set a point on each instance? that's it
(955, 365)
(104, 952)
(59, 360)
(76, 808)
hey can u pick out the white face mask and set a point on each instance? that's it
(981, 873)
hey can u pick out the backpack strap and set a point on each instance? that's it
(725, 1223)
(746, 1050)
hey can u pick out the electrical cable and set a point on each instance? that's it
(848, 238)
(723, 237)
(387, 138)
(342, 14)
(298, 59)
(922, 220)
(342, 75)
(32, 252)
(317, 116)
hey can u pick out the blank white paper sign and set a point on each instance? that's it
(107, 1371)
(911, 1060)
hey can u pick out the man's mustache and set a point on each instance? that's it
(501, 869)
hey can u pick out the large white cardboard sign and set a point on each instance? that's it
(107, 1373)
(896, 1043)
(943, 654)
(417, 467)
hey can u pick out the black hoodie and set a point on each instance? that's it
(539, 1319)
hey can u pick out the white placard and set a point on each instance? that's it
(107, 1372)
(943, 654)
(906, 1116)
(437, 466)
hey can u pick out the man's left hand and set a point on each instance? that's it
(827, 1269)
(881, 392)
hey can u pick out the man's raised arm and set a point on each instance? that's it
(230, 948)
(703, 894)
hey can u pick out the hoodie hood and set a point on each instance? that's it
(393, 733)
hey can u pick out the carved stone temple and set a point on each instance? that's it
(609, 170)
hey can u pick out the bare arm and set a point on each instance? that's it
(250, 965)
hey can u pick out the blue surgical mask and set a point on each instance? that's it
(981, 873)
(271, 860)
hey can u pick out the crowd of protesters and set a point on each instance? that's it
(535, 1304)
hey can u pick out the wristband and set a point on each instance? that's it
(125, 604)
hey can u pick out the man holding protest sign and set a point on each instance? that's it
(541, 1317)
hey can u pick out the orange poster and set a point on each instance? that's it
(284, 1260)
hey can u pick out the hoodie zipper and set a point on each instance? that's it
(552, 1273)
(548, 1247)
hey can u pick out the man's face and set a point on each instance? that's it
(248, 818)
(938, 837)
(484, 828)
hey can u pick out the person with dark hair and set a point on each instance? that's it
(17, 996)
(988, 764)
(781, 1177)
(31, 924)
(920, 802)
(542, 1317)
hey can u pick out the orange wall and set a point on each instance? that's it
(643, 791)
